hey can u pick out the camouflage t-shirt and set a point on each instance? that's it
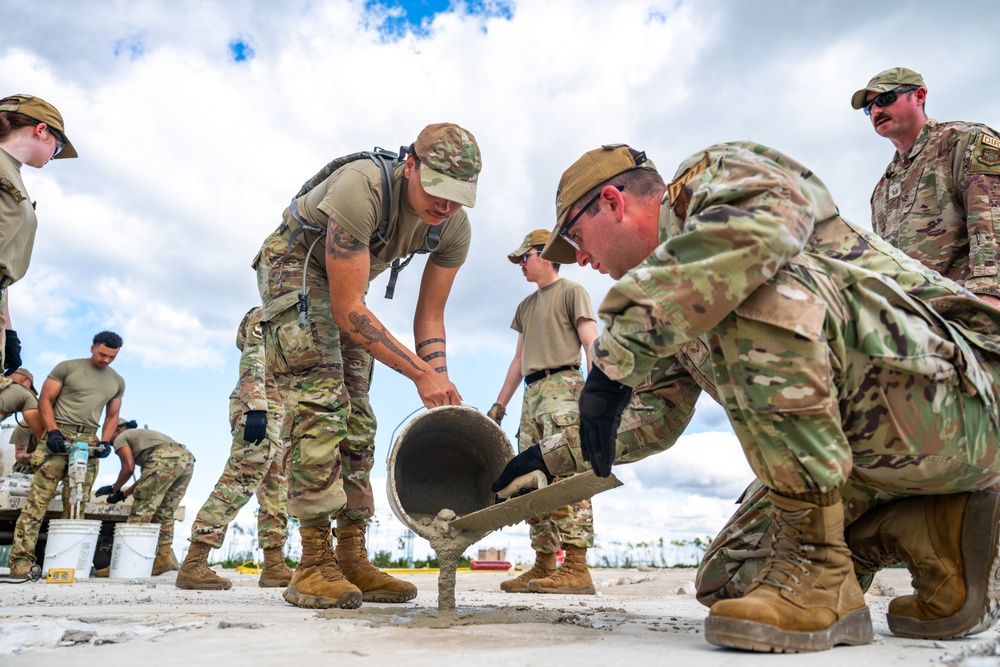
(547, 319)
(352, 196)
(17, 220)
(940, 203)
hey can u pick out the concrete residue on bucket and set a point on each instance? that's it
(441, 468)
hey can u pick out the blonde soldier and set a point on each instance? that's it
(552, 323)
(852, 375)
(939, 199)
(32, 132)
(320, 338)
(167, 467)
(73, 397)
(254, 466)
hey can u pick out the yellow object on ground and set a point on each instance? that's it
(60, 575)
(249, 567)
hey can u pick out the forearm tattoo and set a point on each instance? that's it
(363, 327)
(433, 355)
(340, 244)
(429, 341)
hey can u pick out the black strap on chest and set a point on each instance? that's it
(386, 162)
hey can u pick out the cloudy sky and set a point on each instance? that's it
(196, 121)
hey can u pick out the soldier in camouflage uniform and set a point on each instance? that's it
(852, 375)
(552, 323)
(939, 199)
(254, 466)
(167, 466)
(73, 396)
(320, 339)
(936, 202)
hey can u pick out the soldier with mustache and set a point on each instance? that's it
(939, 199)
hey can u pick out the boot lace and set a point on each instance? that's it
(789, 557)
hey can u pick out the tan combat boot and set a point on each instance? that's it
(275, 573)
(20, 569)
(317, 582)
(949, 545)
(545, 566)
(164, 561)
(573, 578)
(196, 575)
(807, 597)
(376, 585)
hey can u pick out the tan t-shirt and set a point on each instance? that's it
(17, 220)
(547, 320)
(16, 398)
(86, 389)
(23, 436)
(142, 441)
(352, 196)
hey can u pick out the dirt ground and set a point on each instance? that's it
(637, 618)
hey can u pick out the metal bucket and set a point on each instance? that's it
(445, 458)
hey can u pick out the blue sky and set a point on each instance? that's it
(197, 120)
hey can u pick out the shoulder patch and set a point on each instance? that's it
(986, 155)
(678, 192)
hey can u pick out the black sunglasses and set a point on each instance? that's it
(885, 99)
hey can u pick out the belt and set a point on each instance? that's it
(86, 430)
(532, 378)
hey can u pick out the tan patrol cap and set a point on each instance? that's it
(533, 239)
(595, 167)
(449, 162)
(38, 109)
(885, 81)
(26, 373)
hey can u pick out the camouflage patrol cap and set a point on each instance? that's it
(885, 81)
(38, 109)
(26, 373)
(595, 167)
(449, 162)
(533, 239)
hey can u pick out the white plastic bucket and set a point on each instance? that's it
(134, 550)
(71, 544)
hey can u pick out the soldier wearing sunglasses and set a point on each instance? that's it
(939, 197)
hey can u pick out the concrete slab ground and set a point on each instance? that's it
(642, 618)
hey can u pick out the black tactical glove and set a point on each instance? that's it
(256, 427)
(115, 497)
(104, 490)
(524, 465)
(56, 442)
(496, 413)
(103, 449)
(601, 405)
(11, 352)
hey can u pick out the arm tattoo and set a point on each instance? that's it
(429, 341)
(441, 369)
(363, 326)
(340, 244)
(433, 355)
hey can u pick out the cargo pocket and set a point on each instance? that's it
(783, 361)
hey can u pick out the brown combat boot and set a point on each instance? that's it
(317, 582)
(949, 545)
(376, 585)
(275, 573)
(164, 561)
(573, 578)
(545, 566)
(196, 575)
(807, 598)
